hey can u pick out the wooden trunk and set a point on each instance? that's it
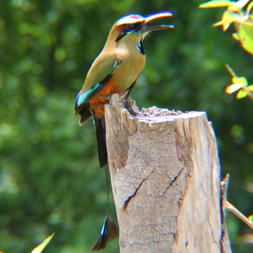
(165, 176)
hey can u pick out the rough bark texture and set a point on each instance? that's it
(165, 178)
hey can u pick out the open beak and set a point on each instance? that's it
(146, 28)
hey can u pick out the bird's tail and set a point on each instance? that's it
(101, 141)
(108, 232)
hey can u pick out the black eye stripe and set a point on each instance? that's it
(130, 27)
(121, 35)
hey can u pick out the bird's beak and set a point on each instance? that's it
(146, 28)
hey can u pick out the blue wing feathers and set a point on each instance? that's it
(82, 98)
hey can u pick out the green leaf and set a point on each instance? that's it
(42, 246)
(245, 36)
(241, 94)
(240, 81)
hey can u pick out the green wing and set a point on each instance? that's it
(102, 67)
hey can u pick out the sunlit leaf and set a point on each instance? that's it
(42, 246)
(245, 36)
(243, 20)
(227, 19)
(232, 88)
(215, 4)
(250, 87)
(251, 218)
(239, 4)
(239, 83)
(236, 36)
(240, 80)
(237, 80)
(232, 5)
(241, 94)
(249, 7)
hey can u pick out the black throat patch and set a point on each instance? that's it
(141, 47)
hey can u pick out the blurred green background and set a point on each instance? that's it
(50, 180)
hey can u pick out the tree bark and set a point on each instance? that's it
(165, 177)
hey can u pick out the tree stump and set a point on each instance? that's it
(165, 177)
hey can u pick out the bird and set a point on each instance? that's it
(108, 232)
(115, 70)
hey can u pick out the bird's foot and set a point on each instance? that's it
(131, 107)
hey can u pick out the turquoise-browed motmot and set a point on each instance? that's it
(115, 70)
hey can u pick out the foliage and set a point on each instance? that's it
(239, 85)
(49, 177)
(240, 14)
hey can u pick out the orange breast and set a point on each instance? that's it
(102, 97)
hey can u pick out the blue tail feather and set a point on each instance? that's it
(81, 99)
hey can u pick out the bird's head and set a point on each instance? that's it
(136, 27)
